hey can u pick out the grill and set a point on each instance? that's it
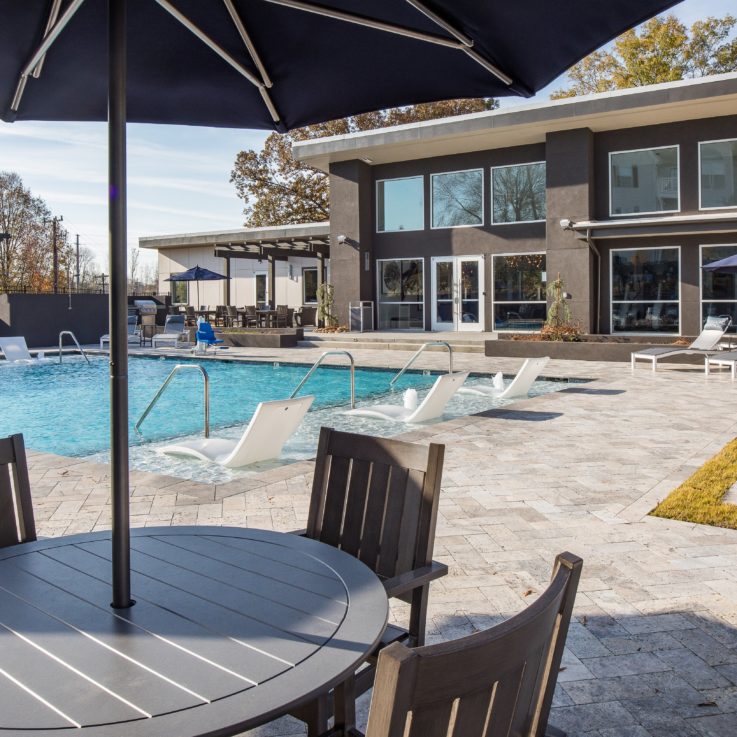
(146, 309)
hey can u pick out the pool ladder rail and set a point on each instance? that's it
(76, 342)
(316, 365)
(417, 354)
(206, 395)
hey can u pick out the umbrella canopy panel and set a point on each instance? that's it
(726, 265)
(196, 273)
(307, 62)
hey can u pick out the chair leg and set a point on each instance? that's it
(418, 616)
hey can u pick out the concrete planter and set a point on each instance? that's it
(582, 351)
(264, 338)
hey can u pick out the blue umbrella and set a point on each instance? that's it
(725, 265)
(273, 64)
(196, 274)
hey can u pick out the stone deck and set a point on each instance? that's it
(653, 648)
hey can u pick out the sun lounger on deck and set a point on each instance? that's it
(707, 342)
(430, 408)
(272, 424)
(520, 386)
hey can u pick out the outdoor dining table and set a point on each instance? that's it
(231, 628)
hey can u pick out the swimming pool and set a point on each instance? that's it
(64, 408)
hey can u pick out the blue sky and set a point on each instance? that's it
(178, 176)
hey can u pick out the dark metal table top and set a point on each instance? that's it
(232, 627)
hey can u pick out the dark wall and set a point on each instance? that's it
(39, 318)
(686, 135)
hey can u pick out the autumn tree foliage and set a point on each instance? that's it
(661, 50)
(278, 190)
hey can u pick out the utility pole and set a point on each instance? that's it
(77, 262)
(55, 246)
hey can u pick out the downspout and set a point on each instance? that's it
(593, 247)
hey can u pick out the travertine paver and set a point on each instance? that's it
(653, 648)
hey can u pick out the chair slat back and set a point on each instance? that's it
(495, 683)
(17, 524)
(377, 499)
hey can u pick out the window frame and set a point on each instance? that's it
(256, 274)
(377, 263)
(491, 192)
(432, 200)
(612, 214)
(702, 246)
(495, 302)
(716, 207)
(612, 251)
(398, 179)
(173, 288)
(305, 303)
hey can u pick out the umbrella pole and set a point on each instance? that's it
(118, 303)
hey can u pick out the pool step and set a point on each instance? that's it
(346, 342)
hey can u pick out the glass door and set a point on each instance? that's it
(458, 287)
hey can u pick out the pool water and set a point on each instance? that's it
(64, 408)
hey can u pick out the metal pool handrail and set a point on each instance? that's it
(316, 365)
(206, 398)
(417, 354)
(74, 338)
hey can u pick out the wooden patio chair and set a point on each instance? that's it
(250, 318)
(16, 508)
(232, 317)
(377, 499)
(494, 683)
(191, 315)
(281, 319)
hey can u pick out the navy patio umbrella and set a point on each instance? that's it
(269, 64)
(196, 274)
(725, 265)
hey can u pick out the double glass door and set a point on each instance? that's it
(457, 293)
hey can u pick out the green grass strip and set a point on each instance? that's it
(699, 498)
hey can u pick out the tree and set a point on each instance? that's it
(278, 190)
(26, 258)
(661, 50)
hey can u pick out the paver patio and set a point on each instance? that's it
(653, 648)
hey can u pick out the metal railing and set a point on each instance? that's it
(76, 342)
(167, 381)
(416, 355)
(316, 365)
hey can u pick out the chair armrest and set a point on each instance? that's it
(413, 579)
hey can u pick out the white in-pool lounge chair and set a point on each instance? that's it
(172, 335)
(272, 424)
(724, 358)
(706, 343)
(134, 333)
(15, 350)
(431, 407)
(520, 386)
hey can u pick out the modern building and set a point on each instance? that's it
(461, 223)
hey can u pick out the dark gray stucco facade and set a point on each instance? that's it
(575, 140)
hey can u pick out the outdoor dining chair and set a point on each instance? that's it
(377, 499)
(250, 317)
(494, 683)
(17, 524)
(281, 319)
(232, 319)
(191, 315)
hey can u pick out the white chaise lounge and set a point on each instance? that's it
(272, 424)
(134, 333)
(520, 386)
(431, 407)
(16, 350)
(172, 335)
(724, 358)
(706, 343)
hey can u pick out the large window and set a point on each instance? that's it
(644, 181)
(519, 292)
(718, 290)
(457, 198)
(262, 290)
(518, 193)
(645, 290)
(718, 174)
(179, 294)
(400, 204)
(401, 293)
(309, 286)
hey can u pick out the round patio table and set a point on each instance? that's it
(232, 628)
